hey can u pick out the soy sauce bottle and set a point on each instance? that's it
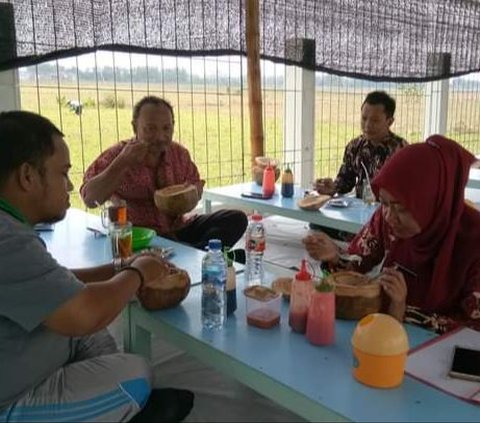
(287, 183)
(231, 282)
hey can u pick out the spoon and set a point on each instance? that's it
(377, 270)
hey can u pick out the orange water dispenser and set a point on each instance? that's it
(380, 346)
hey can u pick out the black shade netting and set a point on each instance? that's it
(391, 40)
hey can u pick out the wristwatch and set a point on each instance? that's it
(117, 264)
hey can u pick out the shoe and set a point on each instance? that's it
(166, 405)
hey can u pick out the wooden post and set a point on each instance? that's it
(254, 78)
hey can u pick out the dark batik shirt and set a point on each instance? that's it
(358, 150)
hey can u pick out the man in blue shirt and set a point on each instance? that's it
(57, 360)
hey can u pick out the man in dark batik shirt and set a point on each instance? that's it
(369, 150)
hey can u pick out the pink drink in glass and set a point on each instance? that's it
(321, 318)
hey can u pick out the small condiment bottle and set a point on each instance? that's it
(231, 284)
(302, 288)
(268, 183)
(287, 183)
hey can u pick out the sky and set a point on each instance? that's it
(196, 65)
(200, 66)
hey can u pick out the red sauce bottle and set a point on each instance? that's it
(268, 184)
(302, 289)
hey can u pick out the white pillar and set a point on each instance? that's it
(436, 95)
(436, 108)
(299, 112)
(9, 90)
(9, 87)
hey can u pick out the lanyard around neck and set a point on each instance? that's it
(12, 211)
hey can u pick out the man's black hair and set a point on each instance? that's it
(151, 99)
(381, 97)
(25, 137)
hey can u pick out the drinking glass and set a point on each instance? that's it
(121, 239)
(114, 211)
(321, 318)
(367, 194)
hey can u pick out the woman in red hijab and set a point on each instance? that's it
(426, 235)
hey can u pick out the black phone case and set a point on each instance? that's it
(465, 363)
(256, 195)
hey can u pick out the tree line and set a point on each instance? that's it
(50, 72)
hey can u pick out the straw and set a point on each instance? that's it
(366, 173)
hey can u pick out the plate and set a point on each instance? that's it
(141, 237)
(338, 203)
(312, 202)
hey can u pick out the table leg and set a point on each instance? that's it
(207, 206)
(127, 336)
(136, 339)
(141, 341)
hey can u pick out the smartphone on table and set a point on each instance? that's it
(465, 363)
(257, 195)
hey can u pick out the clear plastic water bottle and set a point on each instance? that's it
(214, 276)
(254, 250)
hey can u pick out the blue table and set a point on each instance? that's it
(474, 178)
(314, 382)
(350, 219)
(74, 246)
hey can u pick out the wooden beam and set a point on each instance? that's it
(254, 78)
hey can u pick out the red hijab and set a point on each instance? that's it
(429, 179)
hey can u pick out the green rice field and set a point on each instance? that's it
(214, 124)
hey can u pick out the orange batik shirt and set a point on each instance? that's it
(140, 182)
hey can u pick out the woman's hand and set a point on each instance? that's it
(395, 287)
(320, 247)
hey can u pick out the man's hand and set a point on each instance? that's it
(325, 186)
(134, 153)
(321, 247)
(151, 266)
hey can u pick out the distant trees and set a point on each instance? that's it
(48, 72)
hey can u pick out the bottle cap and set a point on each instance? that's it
(302, 274)
(256, 217)
(214, 244)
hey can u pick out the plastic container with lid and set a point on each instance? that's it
(302, 288)
(380, 347)
(262, 306)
